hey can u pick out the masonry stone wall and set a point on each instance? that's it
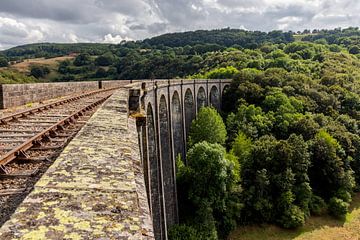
(165, 109)
(21, 94)
(95, 189)
(114, 83)
(1, 97)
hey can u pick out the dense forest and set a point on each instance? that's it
(286, 144)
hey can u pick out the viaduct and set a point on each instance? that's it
(167, 109)
(142, 129)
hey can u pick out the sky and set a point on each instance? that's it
(111, 21)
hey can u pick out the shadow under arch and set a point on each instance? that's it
(201, 98)
(189, 109)
(177, 125)
(215, 97)
(154, 185)
(167, 162)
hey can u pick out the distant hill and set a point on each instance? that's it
(224, 37)
(49, 50)
(185, 54)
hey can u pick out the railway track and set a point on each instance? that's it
(30, 140)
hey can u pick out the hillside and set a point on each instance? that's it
(50, 50)
(184, 54)
(284, 150)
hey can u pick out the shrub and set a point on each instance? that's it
(337, 207)
(3, 62)
(101, 73)
(182, 232)
(293, 218)
(105, 59)
(39, 71)
(343, 195)
(82, 59)
(317, 205)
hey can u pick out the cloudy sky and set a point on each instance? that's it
(29, 21)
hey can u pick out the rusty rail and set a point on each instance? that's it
(4, 119)
(17, 151)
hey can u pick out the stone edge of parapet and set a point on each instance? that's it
(144, 213)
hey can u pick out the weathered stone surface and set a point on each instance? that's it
(12, 95)
(94, 190)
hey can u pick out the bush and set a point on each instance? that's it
(3, 62)
(293, 218)
(343, 195)
(82, 59)
(39, 71)
(182, 232)
(101, 73)
(105, 59)
(317, 205)
(337, 207)
(354, 50)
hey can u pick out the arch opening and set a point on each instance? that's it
(177, 125)
(201, 98)
(189, 107)
(215, 97)
(167, 163)
(154, 182)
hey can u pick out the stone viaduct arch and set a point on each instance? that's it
(167, 108)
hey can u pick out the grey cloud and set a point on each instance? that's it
(25, 21)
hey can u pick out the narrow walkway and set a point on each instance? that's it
(94, 190)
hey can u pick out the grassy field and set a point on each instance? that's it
(316, 228)
(52, 63)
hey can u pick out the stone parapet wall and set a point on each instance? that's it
(114, 83)
(95, 189)
(21, 94)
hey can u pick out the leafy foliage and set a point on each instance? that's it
(39, 71)
(3, 62)
(338, 207)
(11, 77)
(208, 126)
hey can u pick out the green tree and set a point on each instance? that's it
(208, 163)
(327, 156)
(241, 147)
(82, 59)
(208, 126)
(105, 59)
(354, 50)
(101, 73)
(38, 71)
(3, 62)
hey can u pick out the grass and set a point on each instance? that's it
(52, 63)
(18, 72)
(316, 228)
(11, 77)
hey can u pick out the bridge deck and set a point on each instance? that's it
(94, 190)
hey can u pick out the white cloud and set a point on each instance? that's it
(14, 32)
(109, 38)
(285, 22)
(21, 21)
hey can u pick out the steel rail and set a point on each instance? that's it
(14, 116)
(11, 155)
